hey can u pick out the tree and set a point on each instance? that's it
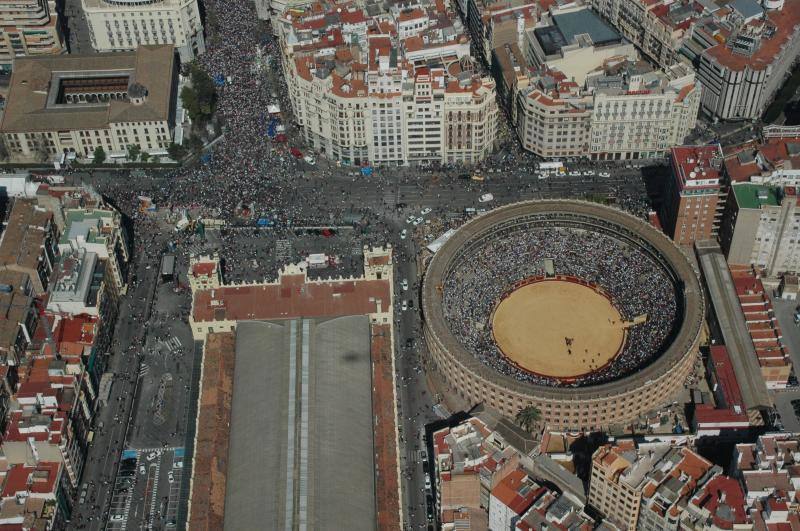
(134, 150)
(144, 156)
(194, 143)
(99, 155)
(4, 155)
(176, 151)
(40, 144)
(200, 97)
(528, 417)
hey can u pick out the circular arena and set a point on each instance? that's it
(582, 310)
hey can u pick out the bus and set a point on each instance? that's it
(555, 166)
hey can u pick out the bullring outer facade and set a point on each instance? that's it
(467, 380)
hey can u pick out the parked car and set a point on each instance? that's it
(403, 234)
(485, 198)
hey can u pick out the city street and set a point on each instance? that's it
(784, 312)
(140, 464)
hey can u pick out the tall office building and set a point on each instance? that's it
(124, 25)
(760, 227)
(28, 27)
(694, 195)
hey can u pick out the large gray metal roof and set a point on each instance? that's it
(732, 325)
(301, 445)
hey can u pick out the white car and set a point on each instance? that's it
(426, 211)
(574, 174)
(485, 198)
(410, 219)
(588, 172)
(171, 477)
(142, 469)
(403, 234)
(404, 307)
(309, 159)
(151, 456)
(542, 176)
(418, 221)
(117, 518)
(404, 284)
(604, 174)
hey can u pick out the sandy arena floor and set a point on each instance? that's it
(534, 325)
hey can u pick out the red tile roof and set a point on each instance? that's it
(784, 21)
(710, 497)
(726, 377)
(509, 493)
(293, 297)
(39, 479)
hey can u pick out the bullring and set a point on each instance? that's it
(644, 276)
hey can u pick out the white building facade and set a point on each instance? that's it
(124, 25)
(364, 97)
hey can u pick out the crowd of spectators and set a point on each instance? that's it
(635, 282)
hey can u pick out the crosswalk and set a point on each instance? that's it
(171, 345)
(143, 370)
(154, 493)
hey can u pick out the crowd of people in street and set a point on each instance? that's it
(636, 284)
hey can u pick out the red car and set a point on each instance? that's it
(280, 138)
(296, 153)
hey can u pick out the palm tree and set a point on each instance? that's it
(528, 417)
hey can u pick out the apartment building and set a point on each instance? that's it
(760, 227)
(717, 505)
(69, 105)
(78, 288)
(28, 243)
(742, 50)
(511, 498)
(752, 51)
(625, 111)
(618, 476)
(43, 415)
(668, 487)
(510, 69)
(361, 93)
(98, 229)
(470, 460)
(587, 94)
(20, 316)
(647, 486)
(28, 27)
(694, 195)
(551, 511)
(769, 473)
(496, 23)
(657, 27)
(122, 26)
(32, 496)
(774, 162)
